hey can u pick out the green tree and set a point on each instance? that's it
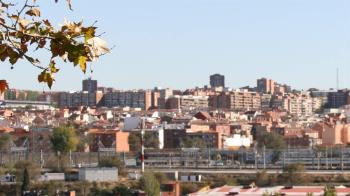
(23, 33)
(262, 179)
(5, 139)
(329, 191)
(52, 187)
(150, 184)
(271, 140)
(33, 170)
(187, 188)
(134, 142)
(25, 181)
(266, 194)
(64, 139)
(123, 191)
(84, 141)
(150, 138)
(219, 180)
(294, 174)
(161, 177)
(188, 142)
(112, 162)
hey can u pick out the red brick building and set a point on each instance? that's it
(109, 140)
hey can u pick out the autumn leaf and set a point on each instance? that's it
(46, 77)
(3, 52)
(14, 56)
(23, 23)
(3, 86)
(22, 31)
(47, 23)
(41, 43)
(82, 63)
(89, 33)
(53, 68)
(33, 12)
(4, 5)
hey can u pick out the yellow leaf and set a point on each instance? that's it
(53, 68)
(82, 63)
(90, 33)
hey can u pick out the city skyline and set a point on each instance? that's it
(157, 46)
(251, 84)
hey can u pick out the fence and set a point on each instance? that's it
(318, 159)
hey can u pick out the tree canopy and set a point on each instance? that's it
(150, 184)
(294, 174)
(151, 141)
(192, 143)
(329, 191)
(64, 139)
(112, 162)
(25, 181)
(271, 140)
(5, 138)
(23, 32)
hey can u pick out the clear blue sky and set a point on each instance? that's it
(179, 43)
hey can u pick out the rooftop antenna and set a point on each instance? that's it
(337, 78)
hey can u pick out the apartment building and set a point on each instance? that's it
(338, 99)
(265, 85)
(301, 104)
(76, 99)
(160, 96)
(187, 102)
(323, 95)
(217, 80)
(269, 86)
(266, 101)
(90, 85)
(134, 99)
(236, 100)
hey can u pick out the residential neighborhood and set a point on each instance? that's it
(268, 127)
